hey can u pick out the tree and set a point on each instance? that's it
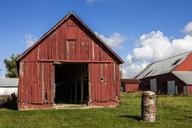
(11, 66)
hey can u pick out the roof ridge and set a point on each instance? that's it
(52, 29)
(182, 58)
(171, 57)
(143, 70)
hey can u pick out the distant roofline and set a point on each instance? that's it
(130, 81)
(8, 86)
(9, 78)
(143, 70)
(9, 82)
(149, 65)
(171, 57)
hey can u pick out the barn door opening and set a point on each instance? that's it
(71, 84)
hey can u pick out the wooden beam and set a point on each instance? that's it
(73, 61)
(42, 83)
(89, 84)
(71, 92)
(82, 86)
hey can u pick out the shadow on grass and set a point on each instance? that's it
(138, 118)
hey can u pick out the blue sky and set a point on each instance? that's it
(24, 20)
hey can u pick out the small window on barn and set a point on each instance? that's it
(71, 44)
(70, 49)
(176, 62)
(70, 23)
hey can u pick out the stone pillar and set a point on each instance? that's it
(148, 106)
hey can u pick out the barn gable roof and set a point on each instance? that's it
(162, 66)
(120, 61)
(185, 76)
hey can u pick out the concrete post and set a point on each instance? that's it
(148, 106)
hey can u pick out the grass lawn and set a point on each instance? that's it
(173, 112)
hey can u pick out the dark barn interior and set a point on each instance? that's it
(71, 81)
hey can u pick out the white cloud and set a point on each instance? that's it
(150, 46)
(91, 1)
(154, 46)
(29, 40)
(115, 40)
(188, 28)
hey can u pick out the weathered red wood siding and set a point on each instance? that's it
(131, 87)
(186, 65)
(105, 89)
(189, 89)
(70, 43)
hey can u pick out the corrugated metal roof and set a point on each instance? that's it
(162, 66)
(9, 82)
(185, 76)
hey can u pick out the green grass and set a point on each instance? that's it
(173, 112)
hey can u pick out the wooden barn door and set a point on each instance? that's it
(153, 85)
(101, 82)
(171, 89)
(185, 92)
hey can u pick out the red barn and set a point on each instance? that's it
(69, 64)
(169, 76)
(130, 85)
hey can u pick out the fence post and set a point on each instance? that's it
(148, 106)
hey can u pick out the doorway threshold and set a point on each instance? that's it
(71, 106)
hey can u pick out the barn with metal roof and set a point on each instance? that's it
(169, 76)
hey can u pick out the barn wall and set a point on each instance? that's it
(104, 83)
(71, 43)
(189, 90)
(35, 83)
(186, 65)
(161, 80)
(131, 87)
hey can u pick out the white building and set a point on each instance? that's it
(8, 86)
